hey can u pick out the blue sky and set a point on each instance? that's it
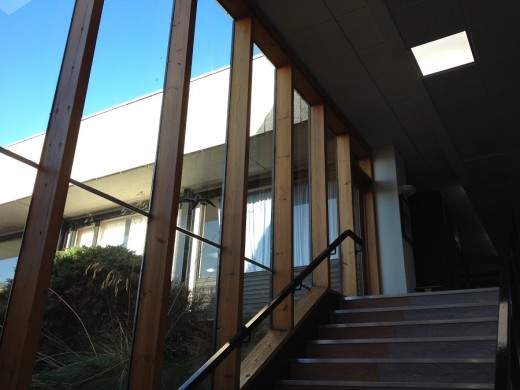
(129, 61)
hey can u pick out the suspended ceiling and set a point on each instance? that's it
(457, 130)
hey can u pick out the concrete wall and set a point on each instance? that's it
(395, 253)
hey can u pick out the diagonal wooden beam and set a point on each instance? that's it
(283, 316)
(231, 271)
(33, 272)
(346, 215)
(149, 333)
(319, 216)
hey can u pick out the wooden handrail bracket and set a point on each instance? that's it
(274, 340)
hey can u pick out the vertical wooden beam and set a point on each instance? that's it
(319, 215)
(283, 316)
(231, 271)
(371, 249)
(346, 215)
(149, 334)
(33, 273)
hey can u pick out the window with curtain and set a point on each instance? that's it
(137, 234)
(258, 229)
(112, 232)
(302, 228)
(332, 203)
(85, 236)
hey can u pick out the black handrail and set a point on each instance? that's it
(247, 329)
(507, 365)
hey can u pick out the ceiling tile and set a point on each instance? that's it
(510, 142)
(386, 59)
(321, 43)
(361, 97)
(361, 29)
(501, 71)
(455, 83)
(291, 16)
(342, 7)
(472, 128)
(340, 73)
(505, 98)
(457, 112)
(396, 4)
(397, 87)
(509, 121)
(481, 12)
(495, 39)
(489, 171)
(427, 21)
(474, 148)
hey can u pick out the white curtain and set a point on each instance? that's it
(137, 234)
(112, 232)
(84, 236)
(301, 220)
(258, 229)
(332, 203)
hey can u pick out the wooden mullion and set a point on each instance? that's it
(33, 273)
(283, 316)
(346, 215)
(231, 271)
(371, 255)
(319, 215)
(149, 333)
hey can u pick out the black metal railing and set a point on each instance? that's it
(507, 371)
(247, 329)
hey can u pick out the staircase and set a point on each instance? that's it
(436, 340)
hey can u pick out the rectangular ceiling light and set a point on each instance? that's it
(444, 53)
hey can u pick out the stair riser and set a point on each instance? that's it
(439, 349)
(413, 315)
(318, 387)
(396, 372)
(400, 331)
(422, 299)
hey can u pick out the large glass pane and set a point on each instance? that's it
(32, 41)
(118, 135)
(301, 190)
(196, 261)
(88, 324)
(15, 199)
(332, 208)
(259, 229)
(302, 218)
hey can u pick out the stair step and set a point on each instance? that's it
(430, 347)
(420, 299)
(410, 313)
(486, 326)
(359, 385)
(396, 370)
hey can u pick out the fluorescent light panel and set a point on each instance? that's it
(444, 53)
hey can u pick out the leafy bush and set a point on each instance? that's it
(86, 336)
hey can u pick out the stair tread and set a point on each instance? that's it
(415, 307)
(429, 293)
(387, 384)
(411, 322)
(395, 360)
(402, 340)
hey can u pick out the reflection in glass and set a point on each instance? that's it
(301, 211)
(117, 141)
(15, 199)
(332, 208)
(32, 41)
(88, 323)
(196, 252)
